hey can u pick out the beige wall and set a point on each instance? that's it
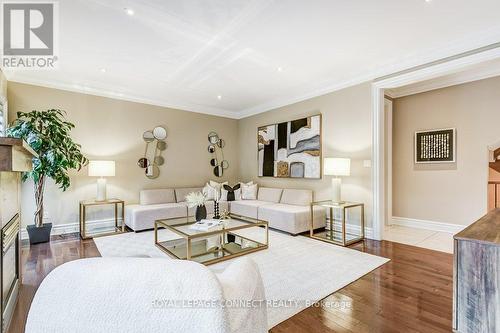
(112, 129)
(452, 193)
(346, 133)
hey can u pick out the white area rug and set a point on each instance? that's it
(296, 270)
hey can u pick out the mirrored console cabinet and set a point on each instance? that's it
(15, 157)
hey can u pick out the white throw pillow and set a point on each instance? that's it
(223, 195)
(237, 193)
(210, 192)
(249, 192)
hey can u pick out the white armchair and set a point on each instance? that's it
(147, 295)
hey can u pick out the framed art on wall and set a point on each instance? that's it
(435, 146)
(290, 149)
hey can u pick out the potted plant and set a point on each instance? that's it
(48, 133)
(197, 199)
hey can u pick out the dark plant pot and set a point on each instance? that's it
(39, 234)
(201, 213)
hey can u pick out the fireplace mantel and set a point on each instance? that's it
(15, 155)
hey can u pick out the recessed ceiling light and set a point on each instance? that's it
(428, 1)
(219, 97)
(129, 11)
(103, 70)
(279, 69)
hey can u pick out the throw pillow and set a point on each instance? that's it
(249, 192)
(210, 192)
(229, 192)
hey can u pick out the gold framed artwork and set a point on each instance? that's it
(290, 149)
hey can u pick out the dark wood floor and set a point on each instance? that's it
(411, 293)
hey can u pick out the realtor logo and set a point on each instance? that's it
(29, 35)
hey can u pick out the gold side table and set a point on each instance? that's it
(105, 231)
(337, 231)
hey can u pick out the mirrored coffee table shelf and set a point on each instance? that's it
(344, 224)
(214, 245)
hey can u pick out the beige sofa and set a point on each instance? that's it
(284, 209)
(163, 204)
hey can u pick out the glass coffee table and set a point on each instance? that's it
(235, 237)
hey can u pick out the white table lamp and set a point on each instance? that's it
(337, 167)
(101, 169)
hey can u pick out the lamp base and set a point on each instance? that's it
(336, 190)
(101, 189)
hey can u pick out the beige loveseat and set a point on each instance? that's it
(163, 204)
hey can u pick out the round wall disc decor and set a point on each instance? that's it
(213, 162)
(221, 143)
(218, 171)
(148, 136)
(143, 162)
(224, 164)
(159, 160)
(211, 149)
(161, 145)
(160, 133)
(213, 138)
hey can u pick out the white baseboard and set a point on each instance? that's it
(428, 225)
(61, 229)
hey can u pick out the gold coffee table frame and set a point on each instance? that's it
(344, 206)
(226, 251)
(83, 217)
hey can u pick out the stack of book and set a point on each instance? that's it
(205, 225)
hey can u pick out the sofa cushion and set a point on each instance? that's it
(269, 194)
(141, 217)
(159, 196)
(180, 193)
(248, 208)
(291, 218)
(297, 197)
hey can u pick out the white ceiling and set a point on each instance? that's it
(185, 53)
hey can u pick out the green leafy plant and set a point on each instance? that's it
(48, 133)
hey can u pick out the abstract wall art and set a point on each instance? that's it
(290, 149)
(435, 146)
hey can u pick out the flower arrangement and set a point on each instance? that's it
(196, 199)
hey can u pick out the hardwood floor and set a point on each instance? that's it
(411, 293)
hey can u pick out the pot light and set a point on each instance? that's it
(279, 69)
(103, 70)
(219, 97)
(129, 11)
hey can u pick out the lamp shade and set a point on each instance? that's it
(102, 168)
(337, 166)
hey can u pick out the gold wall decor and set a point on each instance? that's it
(155, 145)
(216, 148)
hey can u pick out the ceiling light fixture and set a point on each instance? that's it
(129, 11)
(279, 69)
(219, 97)
(103, 70)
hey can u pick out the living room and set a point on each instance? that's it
(201, 172)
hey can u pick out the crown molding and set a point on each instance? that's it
(439, 83)
(470, 45)
(189, 107)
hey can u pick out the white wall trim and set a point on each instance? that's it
(188, 107)
(61, 229)
(476, 75)
(427, 225)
